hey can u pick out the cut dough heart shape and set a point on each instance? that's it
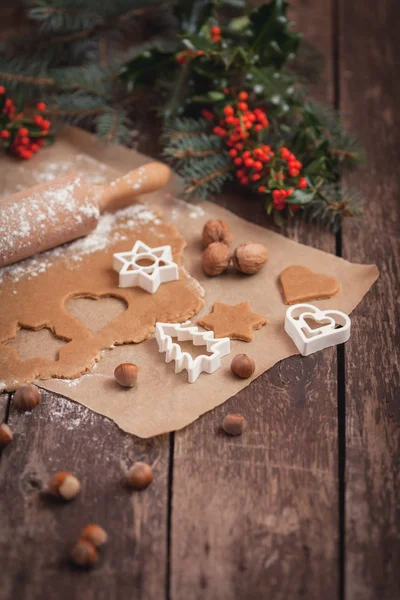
(334, 328)
(300, 283)
(95, 312)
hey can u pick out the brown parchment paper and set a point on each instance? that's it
(162, 400)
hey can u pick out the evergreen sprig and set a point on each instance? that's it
(201, 74)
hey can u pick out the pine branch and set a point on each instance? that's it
(203, 181)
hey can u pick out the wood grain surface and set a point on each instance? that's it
(369, 93)
(305, 503)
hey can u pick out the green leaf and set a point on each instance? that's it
(300, 197)
(146, 67)
(273, 42)
(215, 96)
(278, 218)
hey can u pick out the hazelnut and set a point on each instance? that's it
(94, 534)
(234, 424)
(216, 231)
(139, 476)
(126, 374)
(6, 435)
(243, 366)
(64, 485)
(84, 554)
(249, 257)
(216, 259)
(26, 397)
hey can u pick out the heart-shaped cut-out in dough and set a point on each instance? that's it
(300, 284)
(95, 312)
(332, 327)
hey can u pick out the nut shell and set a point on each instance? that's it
(216, 231)
(26, 397)
(84, 554)
(6, 435)
(64, 485)
(126, 374)
(139, 476)
(94, 534)
(234, 424)
(249, 257)
(216, 259)
(243, 366)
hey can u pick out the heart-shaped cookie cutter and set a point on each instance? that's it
(334, 328)
(183, 360)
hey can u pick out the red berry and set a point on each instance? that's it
(238, 161)
(249, 162)
(256, 177)
(258, 165)
(207, 114)
(35, 147)
(239, 146)
(38, 120)
(240, 173)
(233, 152)
(294, 172)
(258, 128)
(242, 106)
(41, 106)
(246, 154)
(302, 183)
(24, 141)
(243, 95)
(4, 134)
(23, 131)
(244, 181)
(215, 30)
(262, 189)
(228, 110)
(2, 89)
(46, 124)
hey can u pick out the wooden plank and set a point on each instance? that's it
(257, 516)
(36, 533)
(369, 92)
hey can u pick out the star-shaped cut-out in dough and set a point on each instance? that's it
(236, 322)
(145, 267)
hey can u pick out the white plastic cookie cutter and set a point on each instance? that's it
(145, 267)
(330, 327)
(183, 360)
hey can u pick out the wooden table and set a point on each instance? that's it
(306, 503)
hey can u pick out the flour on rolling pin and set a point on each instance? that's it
(61, 210)
(111, 228)
(49, 215)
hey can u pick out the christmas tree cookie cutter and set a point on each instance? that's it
(145, 267)
(183, 360)
(332, 327)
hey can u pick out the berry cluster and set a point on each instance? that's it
(20, 135)
(276, 174)
(186, 55)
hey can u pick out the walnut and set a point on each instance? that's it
(216, 231)
(249, 257)
(216, 258)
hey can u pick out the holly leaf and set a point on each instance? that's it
(146, 67)
(301, 197)
(274, 42)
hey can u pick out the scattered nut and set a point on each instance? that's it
(216, 231)
(140, 475)
(94, 534)
(6, 435)
(126, 374)
(216, 259)
(243, 366)
(64, 485)
(26, 397)
(249, 257)
(234, 424)
(84, 554)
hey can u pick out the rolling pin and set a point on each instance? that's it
(52, 214)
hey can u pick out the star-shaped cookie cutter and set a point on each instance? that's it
(334, 328)
(145, 267)
(183, 360)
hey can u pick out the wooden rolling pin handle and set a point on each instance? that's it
(142, 180)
